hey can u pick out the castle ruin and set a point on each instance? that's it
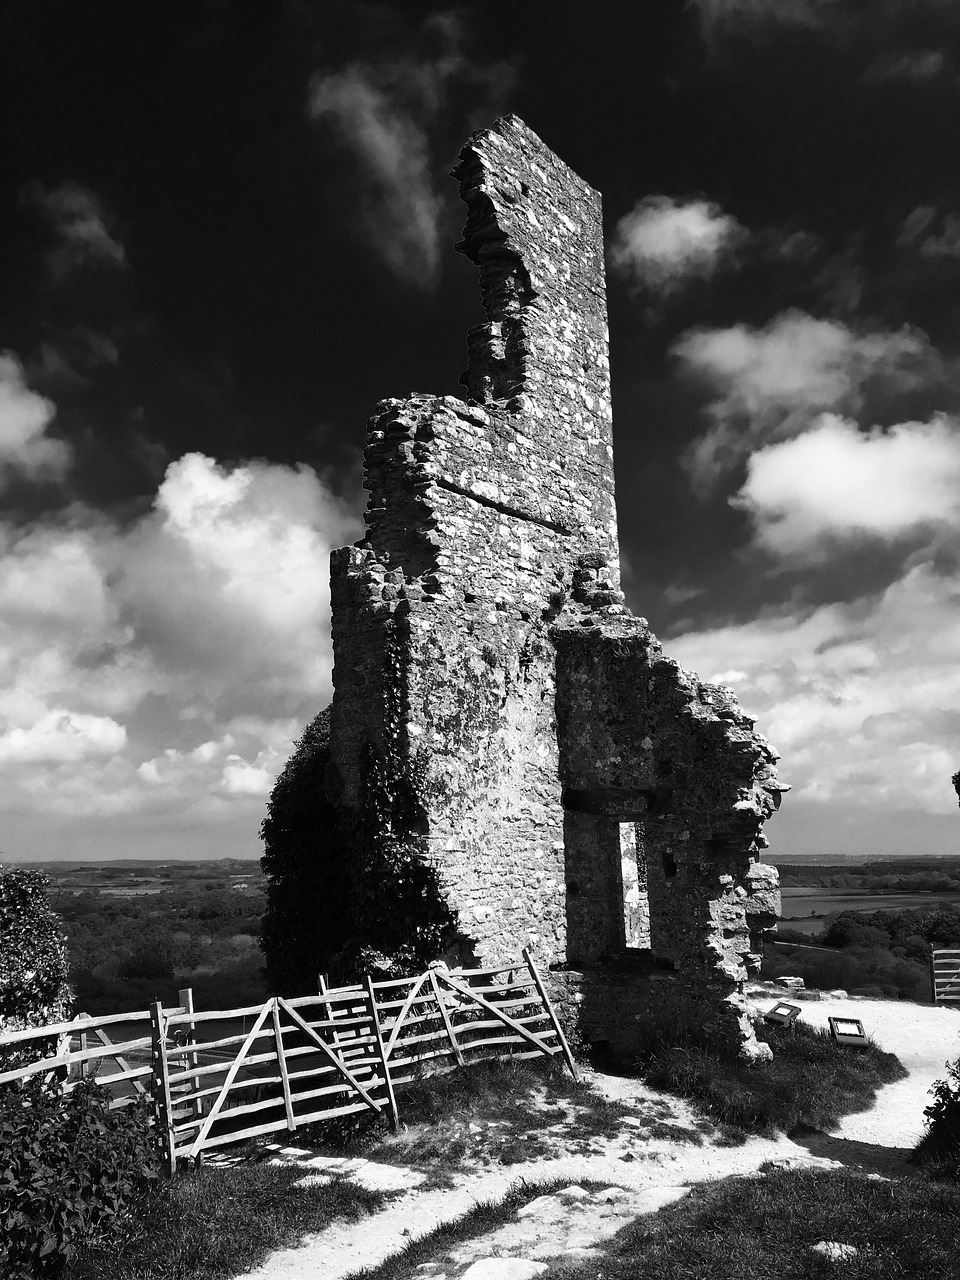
(560, 782)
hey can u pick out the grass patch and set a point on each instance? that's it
(494, 1112)
(811, 1081)
(209, 1224)
(479, 1221)
(763, 1228)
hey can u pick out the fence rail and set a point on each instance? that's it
(217, 1077)
(945, 976)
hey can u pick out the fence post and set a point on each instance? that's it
(933, 976)
(82, 1069)
(448, 1025)
(549, 1008)
(282, 1064)
(185, 999)
(163, 1109)
(378, 1036)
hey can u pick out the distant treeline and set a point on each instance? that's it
(907, 875)
(128, 951)
(869, 953)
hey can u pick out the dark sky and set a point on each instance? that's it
(227, 232)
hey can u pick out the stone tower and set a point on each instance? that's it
(571, 788)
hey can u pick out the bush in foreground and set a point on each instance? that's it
(811, 1080)
(68, 1168)
(33, 958)
(938, 1151)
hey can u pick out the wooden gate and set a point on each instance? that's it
(287, 1071)
(945, 976)
(220, 1076)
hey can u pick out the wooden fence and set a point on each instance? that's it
(116, 1050)
(945, 976)
(221, 1076)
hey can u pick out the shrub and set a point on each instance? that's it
(68, 1167)
(939, 1149)
(33, 957)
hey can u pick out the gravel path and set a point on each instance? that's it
(877, 1141)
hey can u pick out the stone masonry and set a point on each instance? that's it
(575, 790)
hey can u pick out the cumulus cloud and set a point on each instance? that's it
(771, 383)
(163, 668)
(388, 113)
(82, 226)
(862, 699)
(836, 481)
(663, 241)
(62, 736)
(25, 447)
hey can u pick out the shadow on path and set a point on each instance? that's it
(870, 1157)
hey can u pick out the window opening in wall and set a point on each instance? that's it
(636, 907)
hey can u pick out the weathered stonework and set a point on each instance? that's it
(573, 789)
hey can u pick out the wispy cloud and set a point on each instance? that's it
(393, 114)
(718, 16)
(82, 226)
(930, 234)
(662, 242)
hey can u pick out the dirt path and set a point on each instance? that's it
(648, 1172)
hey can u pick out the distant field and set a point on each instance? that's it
(799, 904)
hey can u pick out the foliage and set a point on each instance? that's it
(764, 1228)
(811, 1081)
(126, 952)
(858, 970)
(939, 1149)
(905, 875)
(352, 892)
(308, 884)
(68, 1167)
(870, 953)
(209, 1224)
(33, 961)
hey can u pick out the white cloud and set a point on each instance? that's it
(836, 481)
(165, 668)
(770, 384)
(241, 778)
(862, 699)
(25, 448)
(388, 113)
(663, 241)
(62, 736)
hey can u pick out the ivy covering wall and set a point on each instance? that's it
(348, 894)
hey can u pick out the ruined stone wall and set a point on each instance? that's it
(486, 662)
